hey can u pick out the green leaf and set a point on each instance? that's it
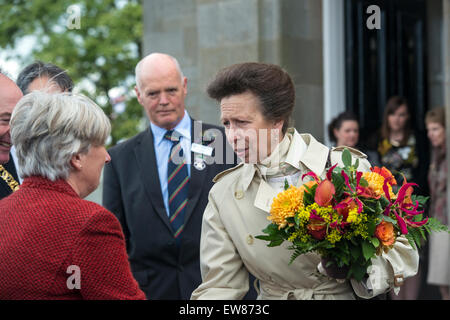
(384, 201)
(411, 241)
(347, 158)
(387, 219)
(434, 224)
(422, 200)
(363, 183)
(357, 271)
(371, 225)
(275, 243)
(368, 250)
(286, 184)
(356, 165)
(355, 252)
(375, 242)
(308, 197)
(379, 209)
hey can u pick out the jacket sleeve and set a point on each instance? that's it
(389, 270)
(112, 196)
(100, 253)
(223, 273)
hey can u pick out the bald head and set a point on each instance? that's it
(10, 94)
(155, 64)
(161, 89)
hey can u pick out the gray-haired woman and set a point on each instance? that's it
(54, 244)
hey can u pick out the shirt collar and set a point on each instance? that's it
(183, 128)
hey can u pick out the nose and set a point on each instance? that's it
(163, 99)
(233, 135)
(107, 157)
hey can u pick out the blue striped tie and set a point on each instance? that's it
(178, 183)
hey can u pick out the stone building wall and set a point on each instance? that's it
(206, 35)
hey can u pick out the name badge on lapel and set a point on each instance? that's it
(198, 148)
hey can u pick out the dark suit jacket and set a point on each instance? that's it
(132, 191)
(5, 190)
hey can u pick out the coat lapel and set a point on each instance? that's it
(146, 159)
(264, 196)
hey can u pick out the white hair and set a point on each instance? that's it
(138, 68)
(48, 129)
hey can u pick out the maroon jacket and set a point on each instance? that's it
(44, 229)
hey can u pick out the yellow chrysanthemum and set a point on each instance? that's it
(376, 182)
(285, 205)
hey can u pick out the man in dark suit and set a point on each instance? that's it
(157, 182)
(9, 96)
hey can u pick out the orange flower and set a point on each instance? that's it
(386, 174)
(385, 233)
(376, 182)
(285, 205)
(324, 193)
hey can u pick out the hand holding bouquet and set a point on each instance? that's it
(349, 217)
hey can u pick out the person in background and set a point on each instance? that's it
(9, 96)
(54, 244)
(42, 76)
(439, 244)
(343, 130)
(396, 145)
(45, 77)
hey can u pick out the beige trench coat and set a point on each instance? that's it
(237, 211)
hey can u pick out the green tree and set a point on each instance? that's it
(99, 50)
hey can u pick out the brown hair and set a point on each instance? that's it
(436, 115)
(337, 122)
(270, 83)
(392, 105)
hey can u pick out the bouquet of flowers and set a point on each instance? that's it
(349, 217)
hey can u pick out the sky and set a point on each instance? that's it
(12, 66)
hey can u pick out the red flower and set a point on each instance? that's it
(403, 208)
(345, 206)
(358, 191)
(317, 227)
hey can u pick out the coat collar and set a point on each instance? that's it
(314, 158)
(59, 185)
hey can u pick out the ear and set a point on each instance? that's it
(335, 132)
(185, 86)
(77, 162)
(138, 94)
(278, 125)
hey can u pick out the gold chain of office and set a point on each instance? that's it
(9, 179)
